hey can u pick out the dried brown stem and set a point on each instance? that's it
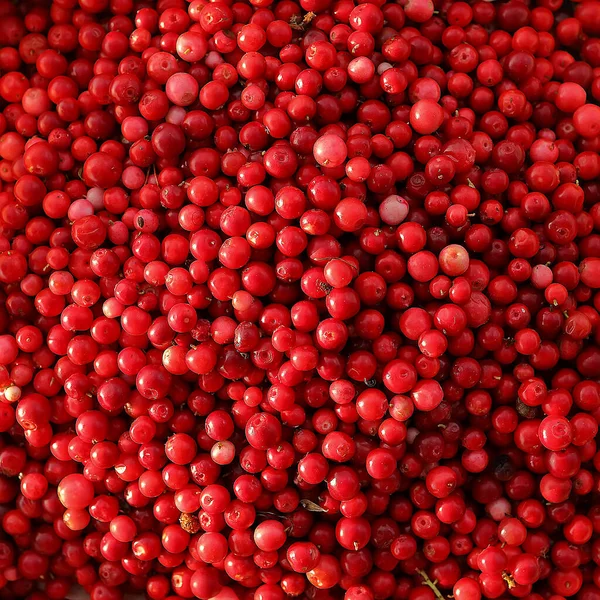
(300, 24)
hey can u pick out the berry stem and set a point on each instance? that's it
(431, 584)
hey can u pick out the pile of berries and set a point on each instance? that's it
(299, 299)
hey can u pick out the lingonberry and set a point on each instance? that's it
(264, 261)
